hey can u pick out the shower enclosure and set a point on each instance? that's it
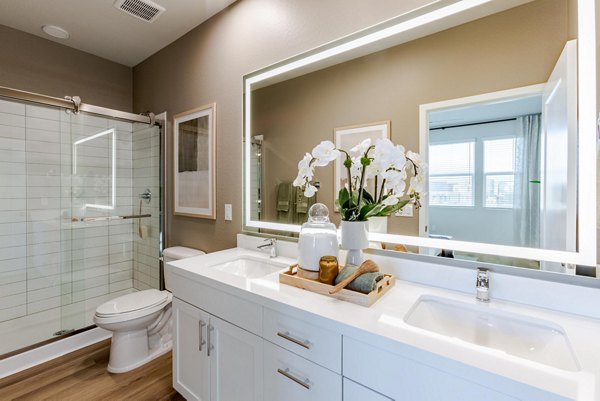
(80, 213)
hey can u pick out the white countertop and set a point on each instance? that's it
(382, 324)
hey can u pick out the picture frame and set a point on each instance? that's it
(349, 136)
(194, 162)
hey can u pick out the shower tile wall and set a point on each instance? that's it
(54, 272)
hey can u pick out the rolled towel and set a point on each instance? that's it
(364, 283)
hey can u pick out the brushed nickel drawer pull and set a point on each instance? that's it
(201, 341)
(209, 346)
(288, 336)
(286, 373)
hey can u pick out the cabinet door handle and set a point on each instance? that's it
(209, 346)
(304, 383)
(288, 336)
(201, 341)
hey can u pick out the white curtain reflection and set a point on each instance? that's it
(527, 181)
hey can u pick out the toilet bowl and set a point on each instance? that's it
(141, 322)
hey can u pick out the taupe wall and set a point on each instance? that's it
(515, 48)
(34, 64)
(207, 65)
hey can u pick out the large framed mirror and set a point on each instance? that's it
(498, 96)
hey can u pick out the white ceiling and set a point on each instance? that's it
(486, 111)
(99, 28)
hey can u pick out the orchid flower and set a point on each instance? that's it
(384, 161)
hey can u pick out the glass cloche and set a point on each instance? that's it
(318, 238)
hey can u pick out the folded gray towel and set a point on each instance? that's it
(364, 283)
(284, 197)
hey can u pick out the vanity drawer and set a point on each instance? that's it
(238, 311)
(290, 377)
(305, 339)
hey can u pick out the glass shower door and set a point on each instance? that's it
(69, 186)
(99, 249)
(114, 214)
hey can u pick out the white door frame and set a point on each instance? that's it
(425, 109)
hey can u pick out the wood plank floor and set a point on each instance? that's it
(82, 376)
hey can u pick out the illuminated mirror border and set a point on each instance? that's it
(586, 233)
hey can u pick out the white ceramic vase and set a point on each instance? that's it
(378, 224)
(355, 238)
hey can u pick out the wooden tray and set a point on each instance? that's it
(291, 278)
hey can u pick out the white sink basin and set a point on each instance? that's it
(522, 336)
(248, 267)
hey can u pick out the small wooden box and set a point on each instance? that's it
(291, 278)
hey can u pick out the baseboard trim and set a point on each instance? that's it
(44, 353)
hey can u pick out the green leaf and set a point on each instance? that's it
(364, 211)
(343, 196)
(367, 197)
(389, 210)
(375, 211)
(347, 214)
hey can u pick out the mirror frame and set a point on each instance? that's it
(421, 22)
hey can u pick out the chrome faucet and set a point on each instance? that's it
(483, 285)
(271, 244)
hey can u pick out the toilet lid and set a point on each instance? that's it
(132, 302)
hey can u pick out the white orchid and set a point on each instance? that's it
(362, 147)
(415, 158)
(324, 153)
(417, 184)
(310, 190)
(394, 182)
(385, 162)
(389, 155)
(305, 170)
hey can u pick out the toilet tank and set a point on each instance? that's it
(176, 253)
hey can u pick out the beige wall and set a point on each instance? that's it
(34, 64)
(207, 65)
(515, 48)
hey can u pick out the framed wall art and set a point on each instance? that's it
(347, 138)
(194, 162)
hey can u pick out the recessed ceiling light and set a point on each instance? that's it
(56, 31)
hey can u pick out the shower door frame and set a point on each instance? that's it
(73, 105)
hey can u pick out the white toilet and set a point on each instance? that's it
(141, 322)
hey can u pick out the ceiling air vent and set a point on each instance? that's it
(142, 9)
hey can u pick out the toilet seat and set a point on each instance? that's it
(132, 306)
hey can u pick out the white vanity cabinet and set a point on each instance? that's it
(213, 359)
(231, 345)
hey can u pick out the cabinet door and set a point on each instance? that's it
(356, 392)
(236, 358)
(404, 379)
(191, 367)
